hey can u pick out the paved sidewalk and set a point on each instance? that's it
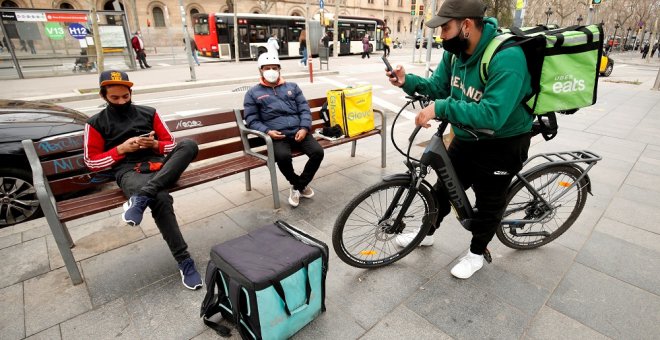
(599, 280)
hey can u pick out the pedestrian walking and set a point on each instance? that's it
(303, 48)
(193, 50)
(655, 47)
(387, 44)
(273, 44)
(138, 47)
(30, 44)
(365, 46)
(645, 51)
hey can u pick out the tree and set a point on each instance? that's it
(502, 10)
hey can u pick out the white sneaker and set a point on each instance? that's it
(307, 192)
(468, 265)
(403, 240)
(294, 197)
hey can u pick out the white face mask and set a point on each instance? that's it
(271, 76)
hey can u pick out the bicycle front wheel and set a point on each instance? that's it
(551, 221)
(363, 237)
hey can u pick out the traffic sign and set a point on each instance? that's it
(54, 31)
(77, 31)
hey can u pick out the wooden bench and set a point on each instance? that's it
(226, 148)
(59, 171)
(254, 139)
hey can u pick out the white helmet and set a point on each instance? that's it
(268, 59)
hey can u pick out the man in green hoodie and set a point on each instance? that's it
(459, 94)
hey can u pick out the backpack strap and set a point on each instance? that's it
(487, 56)
(210, 306)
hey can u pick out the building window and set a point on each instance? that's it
(398, 26)
(370, 2)
(387, 2)
(9, 3)
(296, 14)
(159, 17)
(193, 11)
(66, 5)
(400, 3)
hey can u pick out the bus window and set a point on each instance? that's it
(294, 33)
(223, 33)
(201, 26)
(258, 33)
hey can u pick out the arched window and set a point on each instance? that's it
(66, 5)
(296, 14)
(398, 26)
(8, 3)
(193, 11)
(109, 6)
(159, 17)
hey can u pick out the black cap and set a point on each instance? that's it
(457, 9)
(114, 77)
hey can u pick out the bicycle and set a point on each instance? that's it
(542, 202)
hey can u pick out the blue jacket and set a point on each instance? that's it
(282, 108)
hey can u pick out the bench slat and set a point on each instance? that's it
(200, 121)
(54, 146)
(111, 198)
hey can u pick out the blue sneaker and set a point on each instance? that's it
(189, 275)
(134, 209)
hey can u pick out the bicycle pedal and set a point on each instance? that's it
(487, 256)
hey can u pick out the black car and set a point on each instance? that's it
(21, 120)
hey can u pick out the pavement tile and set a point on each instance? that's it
(109, 275)
(632, 264)
(23, 261)
(109, 321)
(645, 180)
(52, 333)
(51, 299)
(618, 148)
(334, 323)
(166, 310)
(638, 214)
(609, 306)
(94, 238)
(235, 192)
(465, 311)
(368, 295)
(402, 323)
(188, 208)
(12, 317)
(634, 235)
(645, 195)
(36, 232)
(10, 240)
(550, 324)
(259, 213)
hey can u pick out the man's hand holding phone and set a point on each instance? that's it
(147, 141)
(397, 76)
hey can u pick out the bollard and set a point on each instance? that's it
(311, 70)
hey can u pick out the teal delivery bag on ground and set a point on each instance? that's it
(270, 282)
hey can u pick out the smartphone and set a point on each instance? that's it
(389, 67)
(145, 135)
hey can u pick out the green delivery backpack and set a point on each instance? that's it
(563, 64)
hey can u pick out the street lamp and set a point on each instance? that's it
(616, 27)
(548, 13)
(579, 19)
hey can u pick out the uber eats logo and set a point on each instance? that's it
(567, 83)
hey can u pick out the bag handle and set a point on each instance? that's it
(210, 305)
(308, 292)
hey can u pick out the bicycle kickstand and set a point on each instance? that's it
(487, 256)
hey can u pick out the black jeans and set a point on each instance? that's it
(488, 166)
(310, 147)
(386, 50)
(142, 58)
(155, 184)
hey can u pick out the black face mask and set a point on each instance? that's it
(121, 108)
(456, 45)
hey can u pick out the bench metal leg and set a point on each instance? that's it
(248, 181)
(273, 182)
(353, 145)
(383, 147)
(64, 243)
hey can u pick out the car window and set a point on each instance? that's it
(33, 117)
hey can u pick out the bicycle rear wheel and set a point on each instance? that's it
(522, 204)
(363, 238)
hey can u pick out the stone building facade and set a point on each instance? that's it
(161, 20)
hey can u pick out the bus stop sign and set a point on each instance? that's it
(77, 31)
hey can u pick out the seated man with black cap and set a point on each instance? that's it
(145, 159)
(489, 163)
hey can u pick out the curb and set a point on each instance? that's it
(77, 95)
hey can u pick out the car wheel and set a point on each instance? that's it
(439, 46)
(608, 69)
(18, 198)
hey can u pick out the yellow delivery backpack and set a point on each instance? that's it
(351, 109)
